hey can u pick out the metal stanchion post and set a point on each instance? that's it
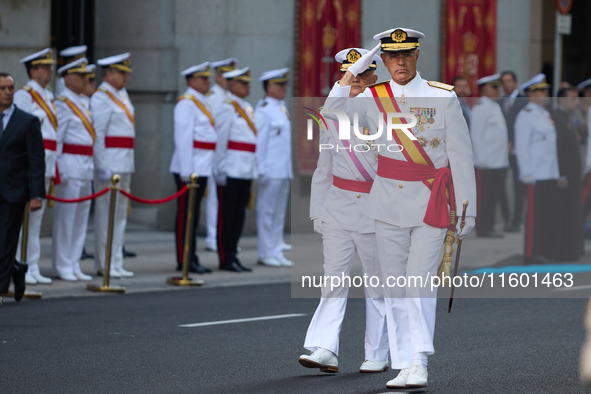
(185, 280)
(106, 272)
(35, 295)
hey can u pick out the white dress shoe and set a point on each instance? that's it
(417, 376)
(211, 247)
(270, 262)
(399, 381)
(284, 262)
(69, 277)
(42, 279)
(82, 276)
(321, 358)
(30, 280)
(285, 246)
(124, 273)
(374, 366)
(112, 273)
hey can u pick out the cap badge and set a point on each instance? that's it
(353, 56)
(398, 35)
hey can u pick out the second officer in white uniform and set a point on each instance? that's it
(36, 99)
(274, 167)
(194, 148)
(114, 122)
(75, 140)
(235, 166)
(490, 140)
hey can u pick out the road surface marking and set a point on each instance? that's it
(215, 323)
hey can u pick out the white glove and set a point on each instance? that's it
(529, 180)
(105, 175)
(317, 226)
(220, 180)
(468, 227)
(364, 61)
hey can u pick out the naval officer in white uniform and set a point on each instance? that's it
(36, 99)
(411, 224)
(340, 188)
(67, 56)
(114, 121)
(274, 167)
(490, 144)
(75, 140)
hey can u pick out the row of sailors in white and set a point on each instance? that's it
(217, 135)
(112, 152)
(585, 86)
(405, 244)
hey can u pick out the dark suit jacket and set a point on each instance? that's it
(511, 115)
(22, 159)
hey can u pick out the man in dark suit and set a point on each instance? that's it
(22, 173)
(511, 105)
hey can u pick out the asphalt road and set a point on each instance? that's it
(133, 343)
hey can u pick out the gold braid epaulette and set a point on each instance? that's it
(27, 88)
(441, 85)
(376, 84)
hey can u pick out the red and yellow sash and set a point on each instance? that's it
(200, 105)
(43, 104)
(245, 116)
(415, 155)
(120, 104)
(85, 121)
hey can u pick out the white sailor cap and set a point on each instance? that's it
(242, 75)
(41, 57)
(201, 70)
(77, 52)
(225, 65)
(275, 76)
(536, 83)
(120, 62)
(584, 85)
(79, 66)
(492, 80)
(92, 69)
(350, 55)
(399, 39)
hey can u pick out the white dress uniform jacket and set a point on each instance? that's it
(217, 97)
(192, 125)
(273, 139)
(232, 127)
(488, 131)
(535, 145)
(71, 130)
(110, 120)
(24, 100)
(341, 208)
(447, 142)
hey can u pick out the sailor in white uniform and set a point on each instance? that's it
(75, 140)
(274, 167)
(340, 188)
(114, 122)
(194, 148)
(235, 166)
(490, 144)
(537, 157)
(410, 225)
(67, 56)
(215, 97)
(36, 99)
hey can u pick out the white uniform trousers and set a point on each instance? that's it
(33, 242)
(410, 310)
(272, 197)
(70, 221)
(211, 211)
(324, 330)
(101, 223)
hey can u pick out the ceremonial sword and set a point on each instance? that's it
(462, 224)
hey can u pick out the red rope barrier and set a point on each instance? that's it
(160, 201)
(81, 199)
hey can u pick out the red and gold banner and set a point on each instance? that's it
(469, 40)
(324, 27)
